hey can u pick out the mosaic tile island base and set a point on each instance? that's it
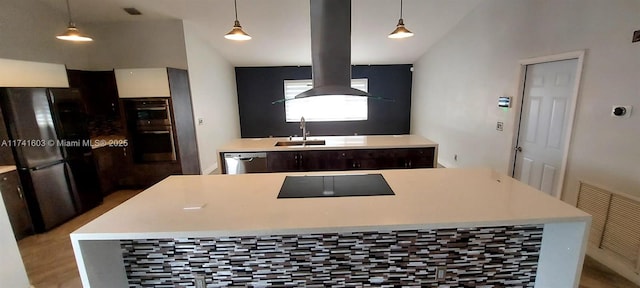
(480, 227)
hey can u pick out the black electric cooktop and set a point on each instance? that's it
(334, 186)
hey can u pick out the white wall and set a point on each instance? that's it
(12, 272)
(28, 29)
(458, 81)
(136, 44)
(457, 84)
(213, 92)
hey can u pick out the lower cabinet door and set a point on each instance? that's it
(326, 160)
(285, 161)
(353, 159)
(15, 204)
(112, 165)
(421, 158)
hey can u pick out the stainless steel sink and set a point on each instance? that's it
(300, 142)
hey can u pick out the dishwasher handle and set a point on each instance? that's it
(245, 156)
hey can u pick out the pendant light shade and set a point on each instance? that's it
(236, 32)
(72, 33)
(400, 31)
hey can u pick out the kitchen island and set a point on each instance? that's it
(329, 153)
(452, 227)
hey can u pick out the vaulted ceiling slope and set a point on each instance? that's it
(280, 28)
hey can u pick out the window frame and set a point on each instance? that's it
(357, 83)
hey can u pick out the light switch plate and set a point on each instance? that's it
(504, 102)
(500, 126)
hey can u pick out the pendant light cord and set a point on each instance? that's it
(69, 12)
(400, 9)
(235, 6)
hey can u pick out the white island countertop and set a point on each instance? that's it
(247, 204)
(331, 143)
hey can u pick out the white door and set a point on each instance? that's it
(544, 120)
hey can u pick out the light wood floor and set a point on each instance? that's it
(49, 258)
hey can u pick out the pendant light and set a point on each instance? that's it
(72, 33)
(401, 31)
(236, 32)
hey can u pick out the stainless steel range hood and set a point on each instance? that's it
(331, 49)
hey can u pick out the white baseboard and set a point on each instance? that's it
(210, 169)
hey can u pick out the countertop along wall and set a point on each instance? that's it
(459, 80)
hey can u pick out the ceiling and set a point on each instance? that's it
(280, 28)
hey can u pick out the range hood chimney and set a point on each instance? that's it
(331, 49)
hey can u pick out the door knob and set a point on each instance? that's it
(519, 149)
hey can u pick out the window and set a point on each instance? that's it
(324, 108)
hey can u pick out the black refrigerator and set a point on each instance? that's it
(49, 135)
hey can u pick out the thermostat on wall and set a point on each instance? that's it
(504, 102)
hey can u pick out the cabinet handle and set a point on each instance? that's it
(20, 192)
(409, 163)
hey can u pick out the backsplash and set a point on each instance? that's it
(257, 87)
(491, 256)
(102, 126)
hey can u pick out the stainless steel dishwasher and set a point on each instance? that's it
(241, 163)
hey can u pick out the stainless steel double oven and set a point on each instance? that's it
(149, 123)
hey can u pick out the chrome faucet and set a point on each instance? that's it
(303, 126)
